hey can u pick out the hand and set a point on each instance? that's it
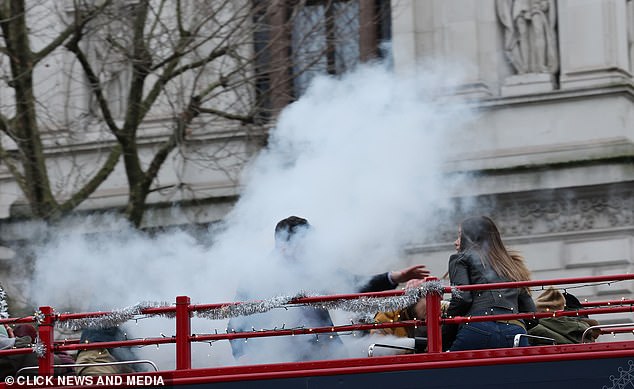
(410, 273)
(10, 333)
(415, 283)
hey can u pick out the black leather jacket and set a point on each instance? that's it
(468, 268)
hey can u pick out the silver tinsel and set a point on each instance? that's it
(456, 293)
(4, 314)
(39, 349)
(248, 308)
(372, 305)
(112, 319)
(39, 316)
(364, 305)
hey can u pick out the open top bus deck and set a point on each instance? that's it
(586, 365)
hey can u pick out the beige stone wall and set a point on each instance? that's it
(550, 150)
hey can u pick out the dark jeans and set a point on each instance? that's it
(480, 335)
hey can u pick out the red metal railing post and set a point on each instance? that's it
(183, 333)
(46, 335)
(434, 337)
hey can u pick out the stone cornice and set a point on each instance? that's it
(624, 89)
(545, 213)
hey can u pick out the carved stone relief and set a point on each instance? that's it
(549, 212)
(530, 35)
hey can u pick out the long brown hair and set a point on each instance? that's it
(482, 235)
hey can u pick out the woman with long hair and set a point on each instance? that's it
(482, 258)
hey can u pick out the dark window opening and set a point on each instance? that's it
(295, 41)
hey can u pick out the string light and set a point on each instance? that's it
(364, 305)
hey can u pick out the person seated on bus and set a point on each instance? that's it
(10, 364)
(290, 239)
(562, 329)
(482, 258)
(23, 336)
(59, 358)
(104, 356)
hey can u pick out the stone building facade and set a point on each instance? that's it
(550, 152)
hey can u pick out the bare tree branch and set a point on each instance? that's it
(227, 115)
(81, 19)
(92, 185)
(141, 63)
(13, 169)
(4, 155)
(95, 85)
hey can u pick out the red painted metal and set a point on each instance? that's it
(25, 319)
(424, 365)
(622, 301)
(183, 333)
(73, 345)
(183, 337)
(499, 354)
(434, 338)
(556, 281)
(304, 331)
(123, 343)
(46, 335)
(397, 363)
(146, 311)
(617, 330)
(538, 315)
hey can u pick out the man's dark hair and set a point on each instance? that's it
(286, 228)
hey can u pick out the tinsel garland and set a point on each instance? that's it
(39, 348)
(248, 308)
(112, 319)
(4, 314)
(394, 303)
(39, 317)
(367, 305)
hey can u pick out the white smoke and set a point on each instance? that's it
(359, 156)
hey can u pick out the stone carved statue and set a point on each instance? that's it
(530, 41)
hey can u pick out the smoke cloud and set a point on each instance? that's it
(359, 156)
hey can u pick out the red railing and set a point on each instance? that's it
(183, 312)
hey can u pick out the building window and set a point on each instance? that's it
(299, 39)
(324, 39)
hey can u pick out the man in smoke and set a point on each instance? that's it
(290, 238)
